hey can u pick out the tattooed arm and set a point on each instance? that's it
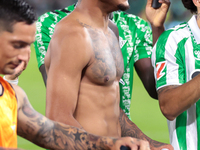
(128, 128)
(46, 133)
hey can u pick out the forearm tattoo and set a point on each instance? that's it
(48, 134)
(128, 128)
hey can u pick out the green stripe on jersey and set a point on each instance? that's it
(180, 57)
(160, 51)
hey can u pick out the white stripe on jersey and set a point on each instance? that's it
(172, 67)
(172, 134)
(189, 59)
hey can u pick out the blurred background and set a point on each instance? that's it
(145, 111)
(177, 12)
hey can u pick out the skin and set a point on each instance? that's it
(15, 46)
(12, 60)
(2, 148)
(175, 99)
(130, 129)
(157, 17)
(18, 44)
(86, 89)
(102, 67)
(143, 67)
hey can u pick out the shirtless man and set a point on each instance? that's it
(84, 65)
(17, 116)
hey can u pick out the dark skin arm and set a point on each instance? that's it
(128, 128)
(143, 67)
(43, 72)
(157, 17)
(144, 70)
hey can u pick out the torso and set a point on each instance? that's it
(126, 23)
(97, 109)
(99, 89)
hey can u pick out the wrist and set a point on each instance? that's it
(157, 27)
(12, 81)
(157, 30)
(10, 77)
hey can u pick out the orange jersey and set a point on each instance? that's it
(8, 115)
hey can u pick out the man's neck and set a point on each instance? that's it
(92, 11)
(198, 19)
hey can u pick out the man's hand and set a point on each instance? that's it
(18, 71)
(22, 66)
(137, 144)
(131, 144)
(157, 16)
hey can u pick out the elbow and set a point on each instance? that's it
(168, 111)
(170, 116)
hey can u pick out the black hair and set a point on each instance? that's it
(13, 11)
(190, 5)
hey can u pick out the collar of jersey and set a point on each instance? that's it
(195, 31)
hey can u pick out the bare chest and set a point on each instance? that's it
(106, 64)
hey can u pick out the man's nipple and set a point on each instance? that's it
(106, 79)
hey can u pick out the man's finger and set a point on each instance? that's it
(144, 145)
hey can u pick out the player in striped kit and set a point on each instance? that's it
(176, 61)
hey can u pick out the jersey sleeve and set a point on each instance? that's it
(143, 42)
(43, 37)
(167, 60)
(44, 30)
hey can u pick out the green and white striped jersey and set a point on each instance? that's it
(135, 42)
(176, 60)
